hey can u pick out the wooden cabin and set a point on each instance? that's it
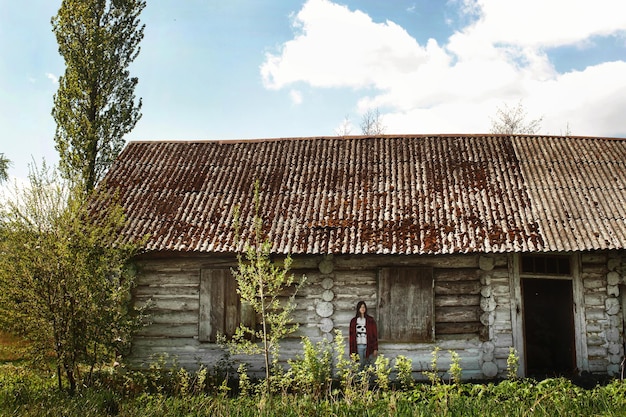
(473, 243)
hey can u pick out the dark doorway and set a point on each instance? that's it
(549, 327)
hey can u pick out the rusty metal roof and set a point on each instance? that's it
(410, 194)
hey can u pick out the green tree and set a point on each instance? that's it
(4, 168)
(263, 285)
(95, 105)
(64, 276)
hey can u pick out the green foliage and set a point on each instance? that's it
(404, 367)
(382, 371)
(311, 373)
(4, 168)
(455, 368)
(262, 284)
(24, 392)
(512, 364)
(94, 106)
(433, 374)
(64, 281)
(347, 369)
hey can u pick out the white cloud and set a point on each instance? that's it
(546, 23)
(296, 97)
(499, 58)
(336, 47)
(52, 77)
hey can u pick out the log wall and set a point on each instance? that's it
(474, 314)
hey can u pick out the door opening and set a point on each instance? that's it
(549, 327)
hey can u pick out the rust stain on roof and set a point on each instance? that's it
(420, 194)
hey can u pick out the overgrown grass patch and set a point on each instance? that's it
(11, 348)
(29, 393)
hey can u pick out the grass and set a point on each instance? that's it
(162, 392)
(25, 392)
(11, 348)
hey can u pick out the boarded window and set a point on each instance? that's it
(406, 305)
(220, 309)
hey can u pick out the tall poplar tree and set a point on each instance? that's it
(4, 168)
(95, 105)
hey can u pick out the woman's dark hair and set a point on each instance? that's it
(358, 307)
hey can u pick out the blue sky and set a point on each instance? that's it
(236, 69)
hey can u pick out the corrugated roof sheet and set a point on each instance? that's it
(577, 187)
(430, 194)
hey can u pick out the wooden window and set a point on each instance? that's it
(546, 264)
(406, 305)
(220, 308)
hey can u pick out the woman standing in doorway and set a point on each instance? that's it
(363, 335)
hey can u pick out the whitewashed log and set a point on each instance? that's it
(595, 283)
(457, 300)
(326, 266)
(457, 314)
(615, 349)
(612, 278)
(486, 291)
(457, 288)
(615, 320)
(598, 365)
(613, 264)
(488, 318)
(328, 295)
(173, 317)
(486, 263)
(179, 303)
(613, 369)
(442, 261)
(168, 278)
(594, 268)
(488, 304)
(169, 330)
(163, 290)
(597, 351)
(612, 335)
(327, 283)
(456, 274)
(595, 299)
(170, 342)
(326, 325)
(324, 309)
(612, 305)
(612, 290)
(595, 313)
(490, 369)
(594, 257)
(504, 340)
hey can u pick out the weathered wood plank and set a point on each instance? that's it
(456, 274)
(405, 306)
(169, 330)
(457, 300)
(457, 314)
(173, 317)
(176, 303)
(169, 278)
(442, 261)
(457, 328)
(457, 288)
(167, 290)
